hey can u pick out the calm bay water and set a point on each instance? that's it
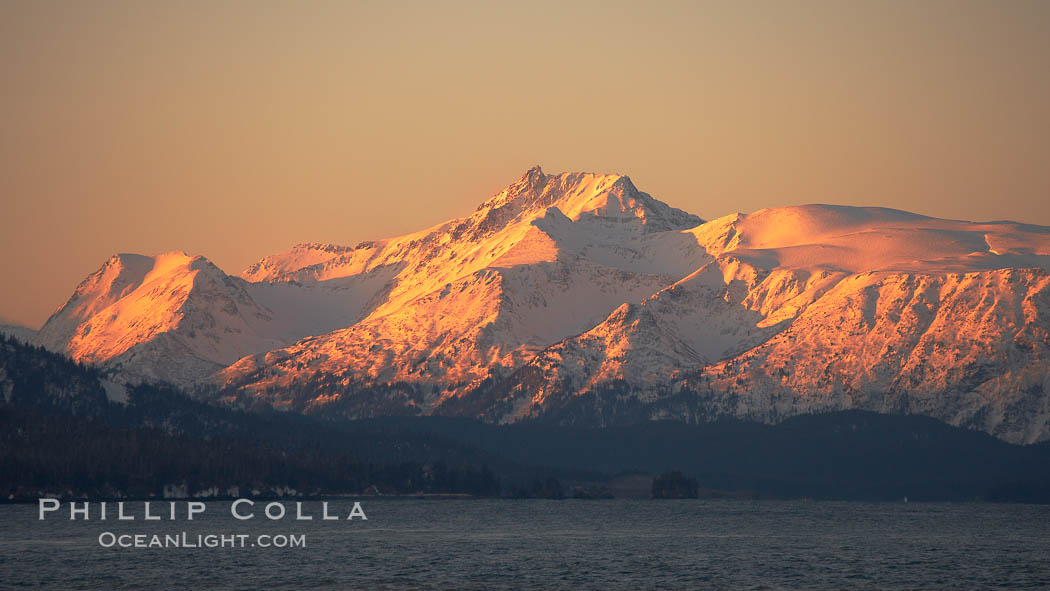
(504, 544)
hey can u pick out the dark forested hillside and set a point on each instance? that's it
(842, 455)
(61, 433)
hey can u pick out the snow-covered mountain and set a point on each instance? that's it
(577, 297)
(171, 317)
(177, 318)
(817, 308)
(543, 260)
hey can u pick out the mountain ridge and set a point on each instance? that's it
(568, 284)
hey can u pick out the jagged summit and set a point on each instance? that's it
(533, 180)
(586, 195)
(604, 203)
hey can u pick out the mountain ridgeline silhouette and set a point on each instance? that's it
(578, 299)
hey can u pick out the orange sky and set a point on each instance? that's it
(236, 129)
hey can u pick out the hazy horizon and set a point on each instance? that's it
(237, 129)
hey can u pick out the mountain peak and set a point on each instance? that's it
(533, 176)
(604, 197)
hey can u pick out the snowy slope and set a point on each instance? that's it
(170, 317)
(971, 349)
(484, 293)
(820, 307)
(576, 294)
(862, 239)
